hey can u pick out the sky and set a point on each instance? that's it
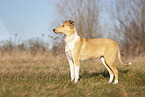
(30, 18)
(27, 18)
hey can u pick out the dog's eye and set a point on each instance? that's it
(62, 25)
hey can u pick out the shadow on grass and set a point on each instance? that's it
(85, 74)
(105, 74)
(123, 71)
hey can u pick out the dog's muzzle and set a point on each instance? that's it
(53, 30)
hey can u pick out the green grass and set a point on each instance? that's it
(30, 77)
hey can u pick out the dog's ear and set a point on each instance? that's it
(71, 23)
(66, 21)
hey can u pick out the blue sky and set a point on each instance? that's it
(30, 18)
(27, 18)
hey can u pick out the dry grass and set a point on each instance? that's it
(42, 74)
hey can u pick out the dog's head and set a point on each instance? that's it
(66, 28)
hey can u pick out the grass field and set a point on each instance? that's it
(23, 74)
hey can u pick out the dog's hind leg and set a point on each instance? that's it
(110, 56)
(111, 64)
(115, 72)
(109, 70)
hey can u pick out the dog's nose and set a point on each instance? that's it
(54, 30)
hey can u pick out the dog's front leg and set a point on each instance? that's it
(71, 64)
(77, 66)
(72, 72)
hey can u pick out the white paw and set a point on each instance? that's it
(115, 82)
(72, 79)
(129, 63)
(75, 81)
(109, 82)
(111, 78)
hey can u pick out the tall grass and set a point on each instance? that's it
(23, 74)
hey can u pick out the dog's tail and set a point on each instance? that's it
(120, 59)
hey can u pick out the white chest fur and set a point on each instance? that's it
(70, 43)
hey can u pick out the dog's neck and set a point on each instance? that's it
(74, 37)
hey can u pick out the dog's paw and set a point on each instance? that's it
(72, 80)
(129, 63)
(115, 82)
(75, 81)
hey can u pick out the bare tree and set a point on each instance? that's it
(128, 18)
(84, 13)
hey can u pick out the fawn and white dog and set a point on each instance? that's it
(78, 49)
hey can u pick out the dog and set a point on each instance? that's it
(78, 49)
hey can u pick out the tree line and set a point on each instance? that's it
(126, 19)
